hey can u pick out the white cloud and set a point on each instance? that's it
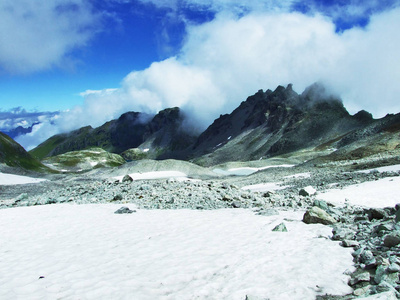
(225, 60)
(37, 35)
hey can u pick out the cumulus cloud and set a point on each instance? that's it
(37, 35)
(229, 58)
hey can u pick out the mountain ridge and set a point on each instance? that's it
(266, 124)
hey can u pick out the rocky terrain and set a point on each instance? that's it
(278, 151)
(372, 232)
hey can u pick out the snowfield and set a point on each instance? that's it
(88, 252)
(380, 193)
(10, 179)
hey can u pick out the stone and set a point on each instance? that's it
(268, 212)
(307, 191)
(316, 215)
(362, 277)
(127, 178)
(117, 197)
(321, 204)
(362, 291)
(124, 210)
(367, 258)
(280, 228)
(377, 213)
(392, 239)
(390, 295)
(340, 234)
(236, 204)
(349, 243)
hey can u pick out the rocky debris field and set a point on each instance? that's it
(373, 233)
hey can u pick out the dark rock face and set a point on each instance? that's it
(277, 122)
(129, 131)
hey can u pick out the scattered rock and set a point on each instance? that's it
(280, 228)
(392, 239)
(316, 215)
(124, 210)
(127, 178)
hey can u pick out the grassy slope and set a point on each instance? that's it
(14, 155)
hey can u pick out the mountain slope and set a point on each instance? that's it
(277, 122)
(14, 155)
(162, 134)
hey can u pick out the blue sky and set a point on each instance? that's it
(93, 60)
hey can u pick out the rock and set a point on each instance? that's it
(117, 197)
(367, 258)
(349, 243)
(391, 295)
(236, 204)
(280, 228)
(307, 191)
(321, 204)
(315, 215)
(127, 178)
(268, 212)
(392, 239)
(124, 210)
(362, 277)
(376, 213)
(340, 234)
(362, 291)
(382, 275)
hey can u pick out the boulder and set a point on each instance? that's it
(392, 239)
(124, 210)
(316, 215)
(280, 228)
(127, 178)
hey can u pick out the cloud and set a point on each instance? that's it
(229, 58)
(38, 35)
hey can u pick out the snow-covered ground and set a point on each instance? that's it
(10, 179)
(380, 193)
(264, 187)
(155, 175)
(88, 252)
(392, 168)
(245, 171)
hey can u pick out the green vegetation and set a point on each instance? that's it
(14, 155)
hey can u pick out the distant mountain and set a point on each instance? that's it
(279, 122)
(267, 124)
(160, 136)
(14, 155)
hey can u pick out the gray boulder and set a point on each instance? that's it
(392, 239)
(316, 215)
(124, 210)
(280, 228)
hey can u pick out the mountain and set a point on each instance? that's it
(158, 135)
(14, 155)
(271, 123)
(279, 122)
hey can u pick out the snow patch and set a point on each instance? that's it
(245, 171)
(380, 193)
(146, 150)
(154, 175)
(10, 179)
(393, 168)
(88, 252)
(264, 187)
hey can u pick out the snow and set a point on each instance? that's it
(264, 187)
(87, 252)
(245, 171)
(155, 175)
(93, 163)
(146, 150)
(392, 168)
(380, 193)
(10, 179)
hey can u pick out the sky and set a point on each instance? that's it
(93, 60)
